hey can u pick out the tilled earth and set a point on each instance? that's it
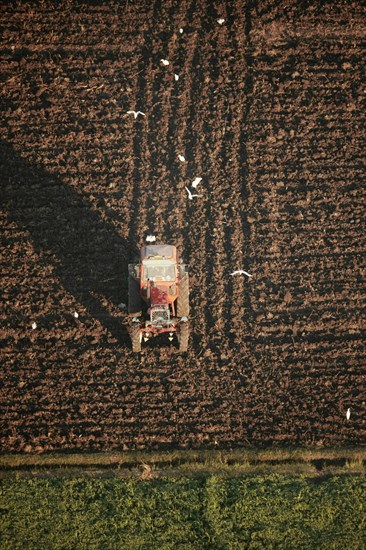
(269, 109)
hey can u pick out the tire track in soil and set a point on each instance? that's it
(142, 216)
(215, 214)
(155, 202)
(176, 224)
(218, 258)
(181, 53)
(186, 140)
(237, 235)
(162, 135)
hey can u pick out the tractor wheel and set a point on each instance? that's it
(183, 298)
(135, 337)
(134, 298)
(183, 336)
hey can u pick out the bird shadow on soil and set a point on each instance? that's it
(86, 252)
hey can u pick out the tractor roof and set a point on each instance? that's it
(158, 250)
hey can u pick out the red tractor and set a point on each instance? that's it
(158, 296)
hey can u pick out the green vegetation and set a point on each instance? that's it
(203, 512)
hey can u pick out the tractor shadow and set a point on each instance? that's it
(86, 252)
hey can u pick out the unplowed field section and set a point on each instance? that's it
(269, 109)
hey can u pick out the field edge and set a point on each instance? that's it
(310, 462)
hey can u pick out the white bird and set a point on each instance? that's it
(34, 325)
(241, 272)
(165, 62)
(136, 113)
(196, 181)
(76, 315)
(190, 196)
(150, 238)
(181, 158)
(181, 30)
(221, 21)
(176, 77)
(348, 414)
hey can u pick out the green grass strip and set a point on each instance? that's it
(208, 512)
(176, 463)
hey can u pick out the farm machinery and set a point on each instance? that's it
(158, 296)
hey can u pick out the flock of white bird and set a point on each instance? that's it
(34, 324)
(191, 195)
(165, 63)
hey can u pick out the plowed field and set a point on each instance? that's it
(269, 109)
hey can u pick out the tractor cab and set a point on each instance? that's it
(158, 270)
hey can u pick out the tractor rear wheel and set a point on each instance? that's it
(183, 336)
(134, 298)
(135, 335)
(183, 298)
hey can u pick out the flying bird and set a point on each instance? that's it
(190, 196)
(165, 62)
(136, 113)
(241, 272)
(34, 325)
(221, 21)
(196, 181)
(348, 414)
(181, 158)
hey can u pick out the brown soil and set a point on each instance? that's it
(270, 111)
